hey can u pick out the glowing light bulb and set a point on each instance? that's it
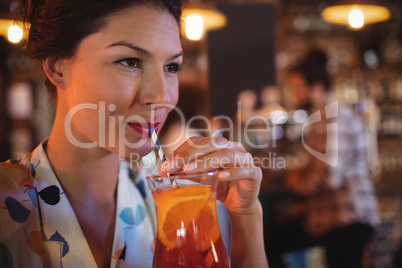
(14, 34)
(194, 27)
(356, 18)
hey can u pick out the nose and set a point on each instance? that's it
(154, 90)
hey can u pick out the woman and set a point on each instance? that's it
(112, 71)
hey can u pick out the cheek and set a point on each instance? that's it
(95, 107)
(88, 119)
(107, 89)
(174, 94)
(174, 99)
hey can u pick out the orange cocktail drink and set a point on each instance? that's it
(188, 233)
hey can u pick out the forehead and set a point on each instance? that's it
(145, 25)
(142, 13)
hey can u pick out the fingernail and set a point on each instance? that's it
(191, 166)
(224, 174)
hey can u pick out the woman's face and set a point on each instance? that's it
(122, 81)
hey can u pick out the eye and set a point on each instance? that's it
(172, 68)
(130, 62)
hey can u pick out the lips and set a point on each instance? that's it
(140, 128)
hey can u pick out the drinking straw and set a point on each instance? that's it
(157, 145)
(160, 152)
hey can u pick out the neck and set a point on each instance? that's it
(86, 174)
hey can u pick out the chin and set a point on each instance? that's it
(130, 153)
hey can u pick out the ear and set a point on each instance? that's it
(55, 69)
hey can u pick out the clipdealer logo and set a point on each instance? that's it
(234, 129)
(330, 157)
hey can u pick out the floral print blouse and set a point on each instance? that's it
(38, 227)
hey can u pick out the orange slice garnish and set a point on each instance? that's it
(208, 228)
(177, 208)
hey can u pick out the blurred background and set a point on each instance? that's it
(239, 50)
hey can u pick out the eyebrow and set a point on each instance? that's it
(142, 50)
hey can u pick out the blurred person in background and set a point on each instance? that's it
(336, 207)
(246, 101)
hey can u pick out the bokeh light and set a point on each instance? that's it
(300, 116)
(14, 34)
(279, 116)
(356, 19)
(276, 132)
(194, 27)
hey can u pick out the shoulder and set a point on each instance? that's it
(16, 182)
(13, 174)
(19, 173)
(18, 202)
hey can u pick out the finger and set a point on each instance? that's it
(246, 180)
(205, 144)
(193, 149)
(185, 145)
(173, 159)
(190, 150)
(252, 174)
(221, 159)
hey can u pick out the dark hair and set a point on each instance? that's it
(58, 26)
(314, 68)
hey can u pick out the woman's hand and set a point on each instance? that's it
(239, 185)
(239, 178)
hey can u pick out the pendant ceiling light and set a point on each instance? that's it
(356, 13)
(12, 30)
(198, 19)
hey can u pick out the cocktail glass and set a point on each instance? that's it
(188, 233)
